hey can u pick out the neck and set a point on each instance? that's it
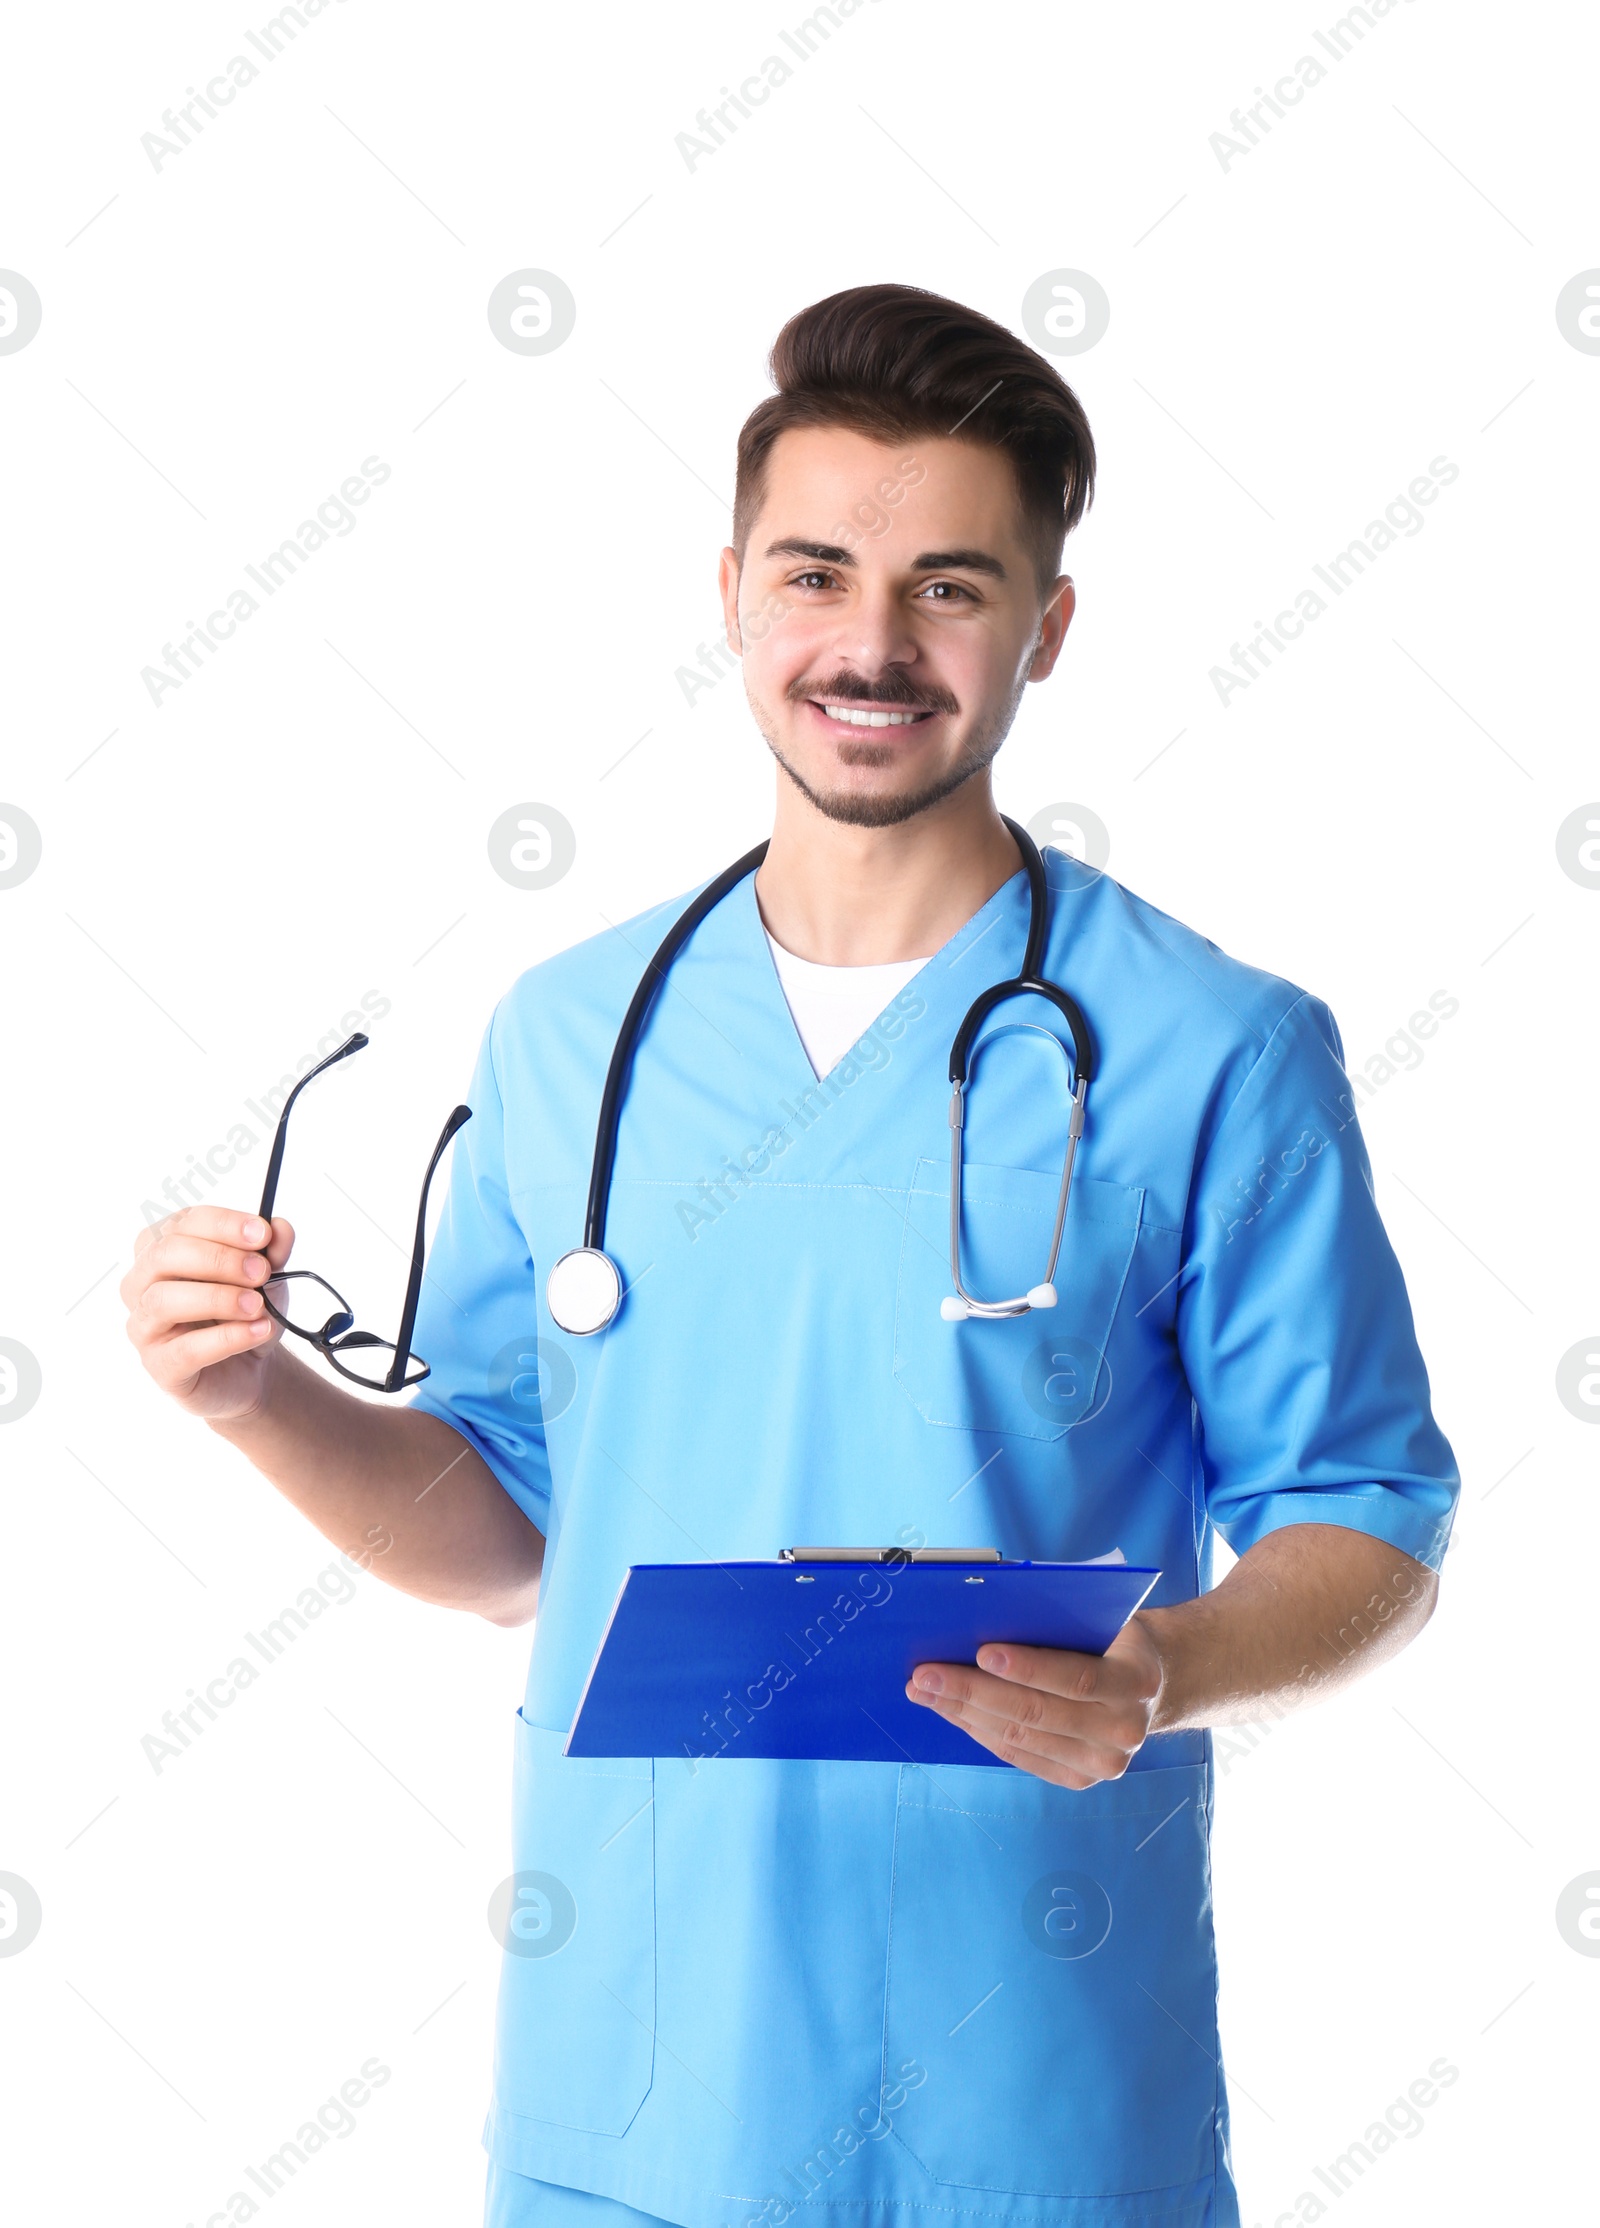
(860, 897)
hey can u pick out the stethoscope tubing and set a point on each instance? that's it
(616, 1085)
(1029, 982)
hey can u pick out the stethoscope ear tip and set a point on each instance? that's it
(1042, 1295)
(954, 1310)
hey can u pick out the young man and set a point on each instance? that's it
(745, 1990)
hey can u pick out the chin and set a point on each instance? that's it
(867, 809)
(886, 802)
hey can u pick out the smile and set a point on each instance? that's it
(851, 717)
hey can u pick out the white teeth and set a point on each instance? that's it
(869, 719)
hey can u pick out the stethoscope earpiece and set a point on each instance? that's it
(955, 1310)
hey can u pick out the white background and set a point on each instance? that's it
(1292, 340)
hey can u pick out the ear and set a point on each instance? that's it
(728, 587)
(1053, 624)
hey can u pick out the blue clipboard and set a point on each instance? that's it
(810, 1659)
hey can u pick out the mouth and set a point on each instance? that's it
(841, 713)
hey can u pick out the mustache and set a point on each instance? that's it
(891, 690)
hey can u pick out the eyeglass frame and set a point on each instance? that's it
(326, 1341)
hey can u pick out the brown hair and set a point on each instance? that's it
(896, 360)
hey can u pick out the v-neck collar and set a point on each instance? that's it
(942, 980)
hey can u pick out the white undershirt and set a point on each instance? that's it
(834, 1006)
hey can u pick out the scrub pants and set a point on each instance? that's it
(515, 2201)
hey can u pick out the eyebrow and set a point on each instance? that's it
(959, 560)
(931, 560)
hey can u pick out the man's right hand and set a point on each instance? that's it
(195, 1310)
(362, 1470)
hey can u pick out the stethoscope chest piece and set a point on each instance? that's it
(583, 1291)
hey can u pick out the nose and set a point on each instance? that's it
(874, 637)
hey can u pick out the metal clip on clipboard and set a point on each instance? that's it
(890, 1555)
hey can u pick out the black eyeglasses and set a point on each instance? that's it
(298, 1298)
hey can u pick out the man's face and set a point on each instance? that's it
(889, 617)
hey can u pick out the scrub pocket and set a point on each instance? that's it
(1051, 2007)
(1034, 1375)
(575, 2042)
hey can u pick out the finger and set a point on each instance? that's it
(1113, 1720)
(207, 1243)
(198, 1260)
(171, 1301)
(960, 1682)
(175, 1362)
(230, 1225)
(1061, 1756)
(1133, 1675)
(1057, 1670)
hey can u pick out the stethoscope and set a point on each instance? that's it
(584, 1289)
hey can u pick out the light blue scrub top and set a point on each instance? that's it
(750, 1991)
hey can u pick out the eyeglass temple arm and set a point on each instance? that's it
(269, 1190)
(402, 1344)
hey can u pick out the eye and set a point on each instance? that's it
(945, 591)
(812, 579)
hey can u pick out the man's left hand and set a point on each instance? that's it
(1070, 1718)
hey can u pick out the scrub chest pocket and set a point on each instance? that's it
(1051, 1964)
(1035, 1375)
(576, 2033)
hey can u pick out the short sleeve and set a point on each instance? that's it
(1293, 1322)
(477, 1320)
